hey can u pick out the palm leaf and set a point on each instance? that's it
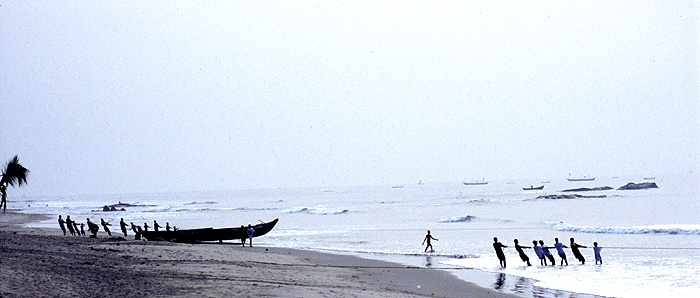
(13, 173)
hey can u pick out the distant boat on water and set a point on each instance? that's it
(397, 186)
(584, 178)
(482, 182)
(649, 178)
(534, 187)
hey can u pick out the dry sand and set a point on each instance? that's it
(44, 263)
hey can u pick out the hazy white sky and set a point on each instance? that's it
(112, 97)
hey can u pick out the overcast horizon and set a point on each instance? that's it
(133, 97)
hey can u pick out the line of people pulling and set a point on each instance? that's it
(76, 229)
(543, 253)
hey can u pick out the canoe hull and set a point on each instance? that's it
(209, 234)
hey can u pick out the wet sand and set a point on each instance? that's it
(44, 263)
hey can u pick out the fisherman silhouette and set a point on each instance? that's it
(93, 228)
(577, 252)
(519, 249)
(250, 233)
(427, 239)
(104, 225)
(69, 224)
(498, 246)
(62, 224)
(123, 225)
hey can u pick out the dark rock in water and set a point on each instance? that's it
(588, 189)
(108, 208)
(566, 197)
(643, 185)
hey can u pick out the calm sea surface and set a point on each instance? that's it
(650, 238)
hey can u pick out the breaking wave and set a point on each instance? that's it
(314, 210)
(655, 229)
(456, 218)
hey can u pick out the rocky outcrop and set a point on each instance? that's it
(643, 185)
(566, 197)
(588, 189)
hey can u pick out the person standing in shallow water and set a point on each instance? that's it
(596, 252)
(539, 253)
(522, 254)
(498, 246)
(427, 239)
(560, 250)
(545, 250)
(576, 251)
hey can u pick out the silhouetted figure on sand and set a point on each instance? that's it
(69, 224)
(498, 246)
(547, 254)
(539, 253)
(576, 251)
(156, 226)
(93, 228)
(167, 226)
(244, 237)
(519, 249)
(145, 227)
(251, 233)
(104, 225)
(82, 229)
(62, 224)
(139, 232)
(75, 227)
(427, 239)
(133, 227)
(123, 225)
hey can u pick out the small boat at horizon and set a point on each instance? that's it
(534, 187)
(482, 182)
(584, 178)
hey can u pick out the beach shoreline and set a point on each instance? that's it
(43, 263)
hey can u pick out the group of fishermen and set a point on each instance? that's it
(541, 250)
(543, 253)
(76, 229)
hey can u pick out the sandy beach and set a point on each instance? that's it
(44, 263)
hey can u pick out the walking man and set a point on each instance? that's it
(427, 239)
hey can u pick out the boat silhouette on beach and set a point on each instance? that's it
(209, 234)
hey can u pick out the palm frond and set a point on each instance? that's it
(13, 173)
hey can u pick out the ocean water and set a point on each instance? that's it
(650, 238)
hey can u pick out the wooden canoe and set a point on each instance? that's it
(209, 234)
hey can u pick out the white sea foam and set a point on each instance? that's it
(655, 229)
(314, 210)
(463, 218)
